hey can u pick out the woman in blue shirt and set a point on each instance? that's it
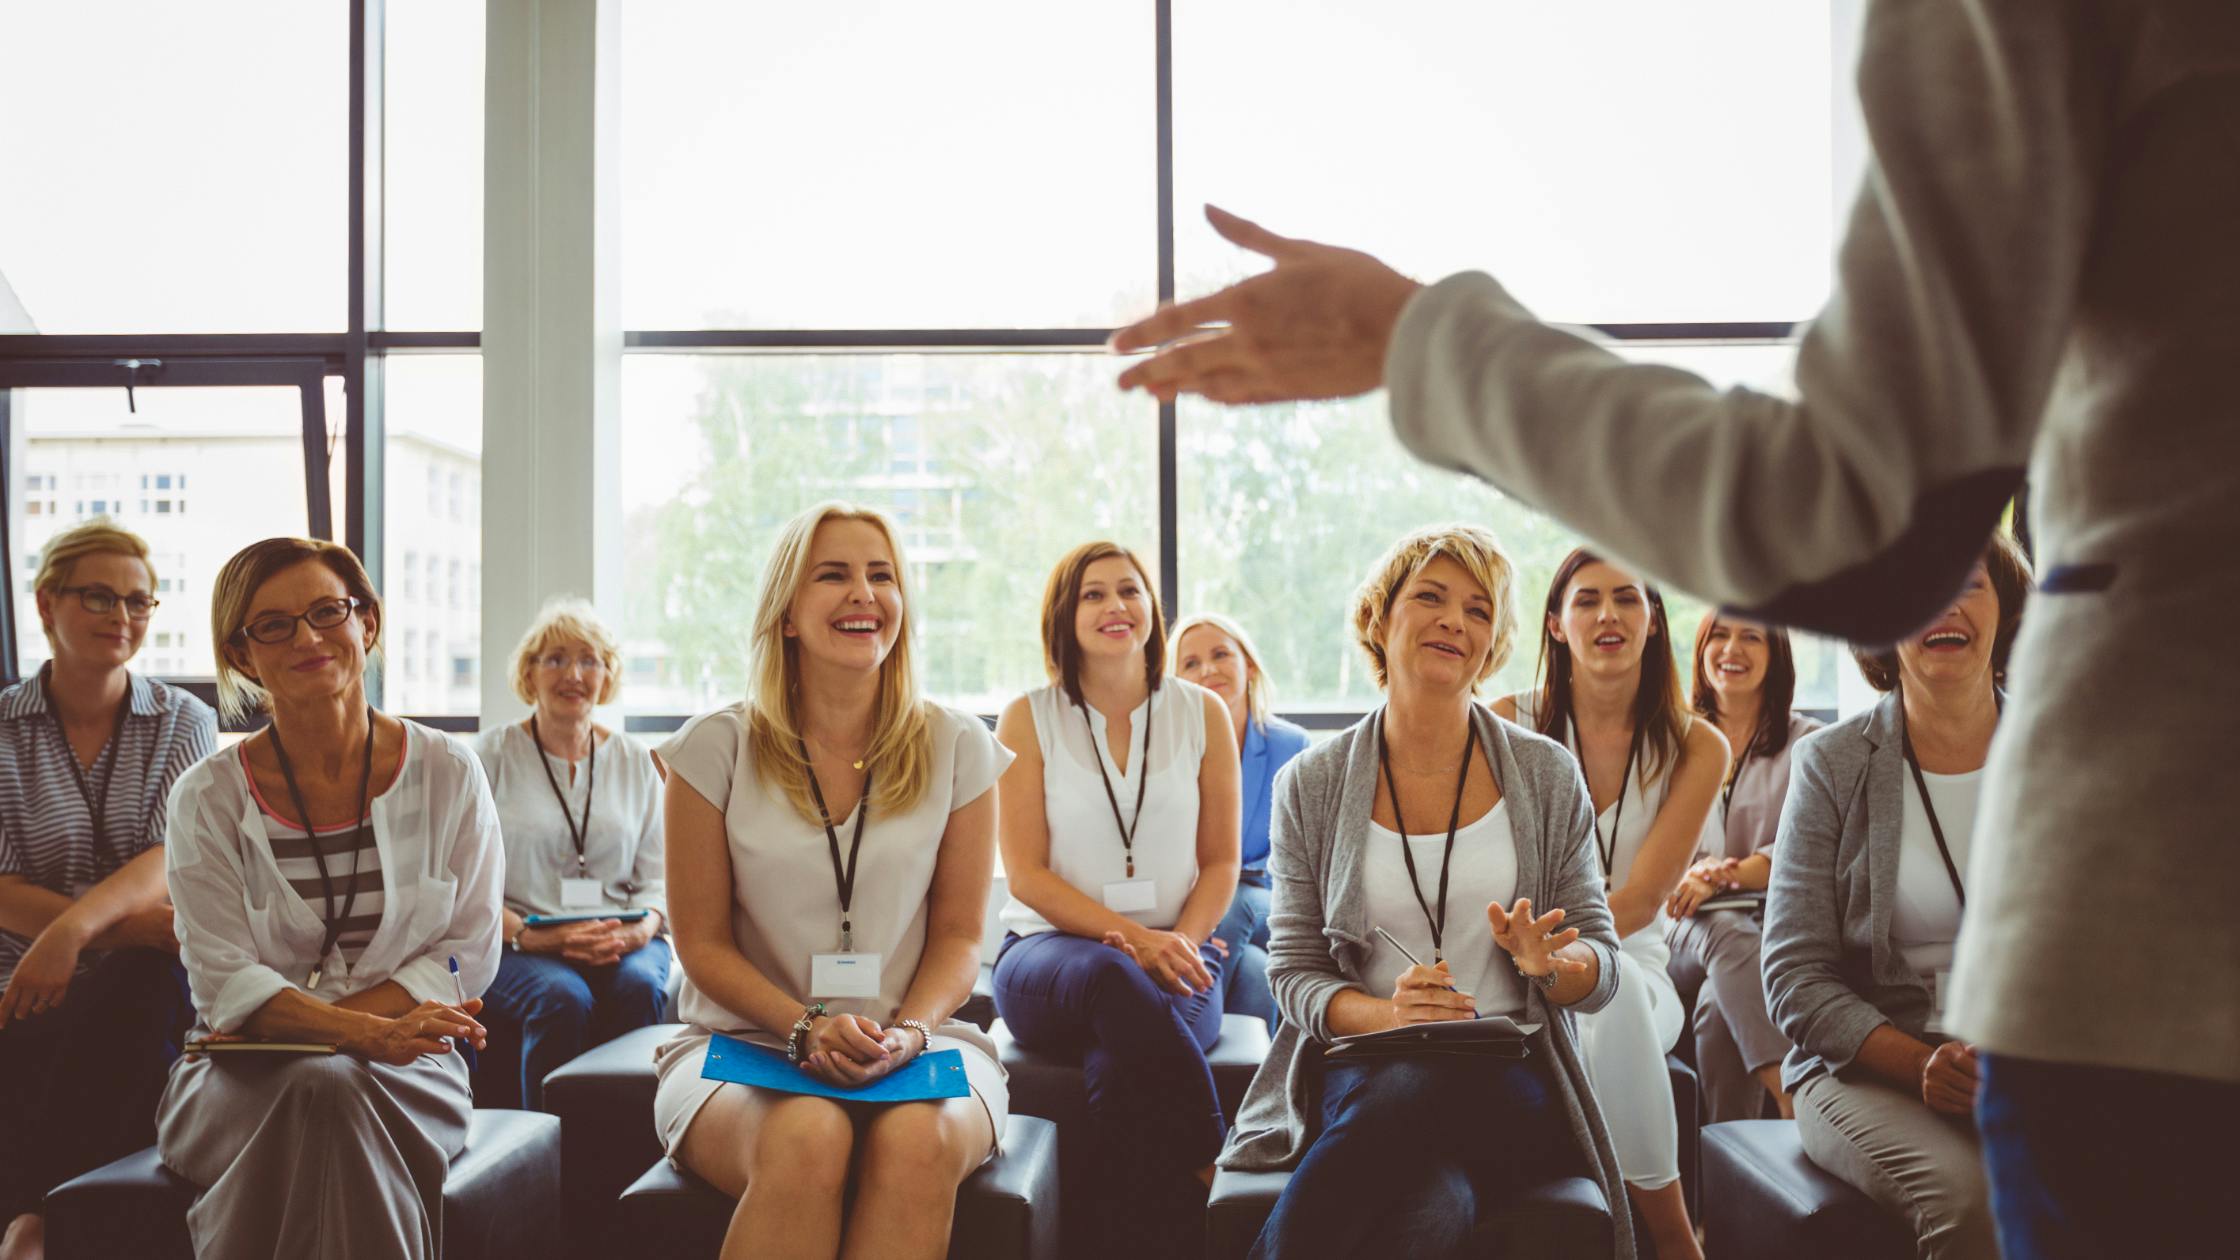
(1214, 652)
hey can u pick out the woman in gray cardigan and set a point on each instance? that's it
(1868, 891)
(1417, 1143)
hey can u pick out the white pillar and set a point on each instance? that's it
(552, 326)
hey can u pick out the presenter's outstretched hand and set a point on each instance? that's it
(1533, 942)
(1316, 325)
(1426, 995)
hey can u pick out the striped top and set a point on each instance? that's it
(46, 831)
(291, 851)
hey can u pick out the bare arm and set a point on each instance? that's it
(956, 909)
(1025, 832)
(1671, 841)
(26, 909)
(700, 909)
(1218, 823)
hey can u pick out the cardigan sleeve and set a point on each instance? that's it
(1301, 970)
(1806, 993)
(1575, 876)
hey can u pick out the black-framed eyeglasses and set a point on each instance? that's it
(281, 627)
(100, 600)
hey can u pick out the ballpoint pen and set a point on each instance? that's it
(458, 986)
(1379, 930)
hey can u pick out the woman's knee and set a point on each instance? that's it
(323, 1089)
(923, 1144)
(804, 1145)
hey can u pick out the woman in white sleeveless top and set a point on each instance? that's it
(1120, 844)
(831, 844)
(1610, 691)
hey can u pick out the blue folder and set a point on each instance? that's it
(938, 1074)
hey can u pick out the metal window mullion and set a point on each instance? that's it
(363, 428)
(1170, 508)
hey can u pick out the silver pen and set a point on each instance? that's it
(1390, 940)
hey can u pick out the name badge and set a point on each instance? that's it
(581, 894)
(1129, 895)
(1940, 987)
(843, 975)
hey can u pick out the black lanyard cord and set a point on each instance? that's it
(1928, 807)
(1734, 780)
(105, 765)
(332, 920)
(1438, 922)
(1609, 851)
(1143, 779)
(843, 877)
(590, 786)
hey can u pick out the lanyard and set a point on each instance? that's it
(1143, 780)
(1936, 829)
(590, 785)
(1726, 797)
(332, 921)
(1438, 922)
(1609, 851)
(843, 878)
(97, 803)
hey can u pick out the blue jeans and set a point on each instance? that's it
(1409, 1149)
(85, 1076)
(543, 1011)
(2091, 1161)
(1244, 982)
(1154, 1118)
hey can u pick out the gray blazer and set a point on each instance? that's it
(1832, 976)
(1319, 943)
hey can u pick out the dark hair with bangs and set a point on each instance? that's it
(1776, 696)
(1061, 650)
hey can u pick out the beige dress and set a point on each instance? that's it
(785, 907)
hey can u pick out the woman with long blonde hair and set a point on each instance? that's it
(831, 843)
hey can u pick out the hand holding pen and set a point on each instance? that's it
(1425, 995)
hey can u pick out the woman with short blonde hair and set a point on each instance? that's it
(580, 806)
(337, 880)
(92, 1001)
(833, 842)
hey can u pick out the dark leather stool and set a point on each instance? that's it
(1006, 1211)
(1765, 1201)
(604, 1099)
(1687, 1109)
(500, 1200)
(1565, 1217)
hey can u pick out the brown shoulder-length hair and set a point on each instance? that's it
(230, 597)
(1061, 651)
(2010, 581)
(1658, 711)
(1779, 689)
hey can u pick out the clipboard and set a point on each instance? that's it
(258, 1047)
(581, 916)
(1491, 1036)
(933, 1075)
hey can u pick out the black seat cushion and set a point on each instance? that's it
(1008, 1210)
(604, 1099)
(501, 1199)
(1563, 1217)
(1764, 1200)
(1050, 1086)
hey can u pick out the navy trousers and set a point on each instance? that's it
(79, 1084)
(1244, 980)
(543, 1011)
(2096, 1162)
(1411, 1148)
(1154, 1118)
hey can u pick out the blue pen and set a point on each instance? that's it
(458, 986)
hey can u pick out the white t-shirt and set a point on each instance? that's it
(1484, 870)
(1926, 919)
(1085, 848)
(622, 844)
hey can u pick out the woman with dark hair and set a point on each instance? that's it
(1119, 830)
(1745, 679)
(1865, 905)
(1610, 691)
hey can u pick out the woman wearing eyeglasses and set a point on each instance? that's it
(337, 879)
(92, 1001)
(581, 809)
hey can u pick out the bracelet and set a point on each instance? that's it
(925, 1032)
(1546, 982)
(809, 1015)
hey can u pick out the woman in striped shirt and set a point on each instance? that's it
(337, 878)
(92, 1001)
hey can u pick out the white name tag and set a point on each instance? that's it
(843, 975)
(581, 894)
(1940, 987)
(1131, 894)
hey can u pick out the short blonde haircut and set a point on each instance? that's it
(900, 759)
(96, 537)
(230, 597)
(1477, 551)
(1256, 685)
(566, 619)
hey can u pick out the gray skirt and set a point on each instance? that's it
(324, 1156)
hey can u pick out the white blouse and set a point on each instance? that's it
(622, 845)
(245, 934)
(785, 904)
(1085, 847)
(1484, 871)
(1925, 920)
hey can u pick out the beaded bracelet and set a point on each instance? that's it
(809, 1015)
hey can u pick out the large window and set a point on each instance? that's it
(998, 183)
